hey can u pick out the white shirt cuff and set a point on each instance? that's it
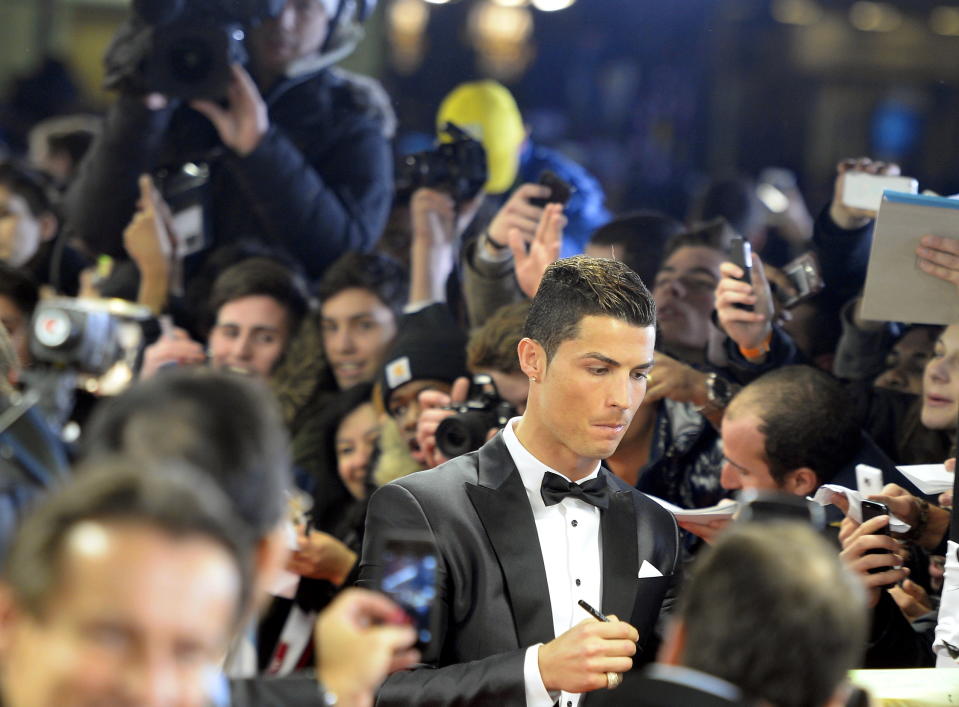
(414, 307)
(536, 693)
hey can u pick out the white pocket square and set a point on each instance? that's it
(648, 570)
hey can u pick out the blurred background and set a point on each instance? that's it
(653, 97)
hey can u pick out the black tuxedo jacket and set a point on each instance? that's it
(493, 596)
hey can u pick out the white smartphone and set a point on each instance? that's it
(868, 480)
(864, 191)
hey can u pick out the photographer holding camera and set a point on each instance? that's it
(259, 138)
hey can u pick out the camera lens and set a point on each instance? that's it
(191, 60)
(464, 432)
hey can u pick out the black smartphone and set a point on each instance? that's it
(560, 190)
(871, 509)
(409, 577)
(741, 254)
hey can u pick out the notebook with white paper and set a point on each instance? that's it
(928, 478)
(896, 289)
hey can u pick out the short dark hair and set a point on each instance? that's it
(17, 285)
(173, 499)
(266, 277)
(804, 414)
(771, 609)
(577, 287)
(222, 424)
(377, 273)
(642, 236)
(715, 234)
(493, 345)
(33, 186)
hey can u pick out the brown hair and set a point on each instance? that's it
(493, 345)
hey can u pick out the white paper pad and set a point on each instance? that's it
(928, 478)
(725, 509)
(896, 289)
(824, 497)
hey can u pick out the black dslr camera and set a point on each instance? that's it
(183, 48)
(457, 167)
(467, 429)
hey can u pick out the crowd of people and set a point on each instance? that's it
(530, 387)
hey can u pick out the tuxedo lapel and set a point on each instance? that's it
(502, 506)
(620, 553)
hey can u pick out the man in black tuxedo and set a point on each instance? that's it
(530, 523)
(769, 616)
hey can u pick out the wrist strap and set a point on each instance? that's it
(760, 350)
(496, 245)
(916, 531)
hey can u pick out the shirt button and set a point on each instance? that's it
(578, 583)
(574, 523)
(569, 703)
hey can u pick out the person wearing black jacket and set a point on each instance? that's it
(299, 157)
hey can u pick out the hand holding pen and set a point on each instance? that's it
(591, 655)
(613, 680)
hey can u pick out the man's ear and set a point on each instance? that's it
(49, 225)
(532, 358)
(674, 643)
(801, 482)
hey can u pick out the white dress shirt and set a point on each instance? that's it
(569, 538)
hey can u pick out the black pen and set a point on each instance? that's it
(598, 615)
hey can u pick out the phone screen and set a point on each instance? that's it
(741, 254)
(409, 578)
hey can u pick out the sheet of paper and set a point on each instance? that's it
(726, 508)
(896, 289)
(824, 497)
(928, 478)
(924, 687)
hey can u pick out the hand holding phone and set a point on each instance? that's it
(870, 510)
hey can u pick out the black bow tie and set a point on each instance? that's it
(555, 488)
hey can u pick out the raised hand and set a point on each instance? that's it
(749, 329)
(855, 554)
(939, 256)
(532, 259)
(847, 217)
(519, 214)
(321, 556)
(433, 406)
(360, 639)
(244, 122)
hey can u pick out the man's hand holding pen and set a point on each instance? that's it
(586, 656)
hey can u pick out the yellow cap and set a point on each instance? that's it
(488, 112)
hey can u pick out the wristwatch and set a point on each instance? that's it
(719, 391)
